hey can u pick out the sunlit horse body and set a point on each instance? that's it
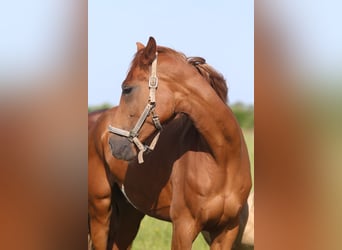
(199, 180)
(94, 116)
(108, 208)
(122, 234)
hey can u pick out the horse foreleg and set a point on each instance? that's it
(184, 232)
(224, 239)
(125, 222)
(100, 213)
(99, 203)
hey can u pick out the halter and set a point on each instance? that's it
(132, 135)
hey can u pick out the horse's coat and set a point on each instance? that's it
(198, 177)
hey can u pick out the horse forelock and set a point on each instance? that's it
(215, 79)
(137, 61)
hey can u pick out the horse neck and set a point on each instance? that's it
(211, 116)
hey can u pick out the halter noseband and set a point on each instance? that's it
(132, 135)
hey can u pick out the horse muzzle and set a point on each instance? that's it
(121, 148)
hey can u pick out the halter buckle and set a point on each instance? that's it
(153, 82)
(133, 134)
(156, 121)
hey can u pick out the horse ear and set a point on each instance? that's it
(140, 46)
(150, 51)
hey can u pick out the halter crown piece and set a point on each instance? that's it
(132, 135)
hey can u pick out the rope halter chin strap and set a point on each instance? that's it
(132, 135)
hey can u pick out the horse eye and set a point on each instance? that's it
(126, 90)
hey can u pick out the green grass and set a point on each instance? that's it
(249, 137)
(156, 234)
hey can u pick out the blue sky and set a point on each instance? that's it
(222, 33)
(33, 33)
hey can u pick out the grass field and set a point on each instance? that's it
(156, 235)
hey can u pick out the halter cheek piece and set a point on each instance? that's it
(132, 135)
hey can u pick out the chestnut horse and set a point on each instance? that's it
(94, 116)
(185, 180)
(126, 215)
(107, 204)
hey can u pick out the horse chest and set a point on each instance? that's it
(122, 188)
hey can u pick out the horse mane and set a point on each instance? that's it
(216, 80)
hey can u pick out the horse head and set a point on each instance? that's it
(155, 89)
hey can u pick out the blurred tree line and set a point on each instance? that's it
(243, 112)
(99, 107)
